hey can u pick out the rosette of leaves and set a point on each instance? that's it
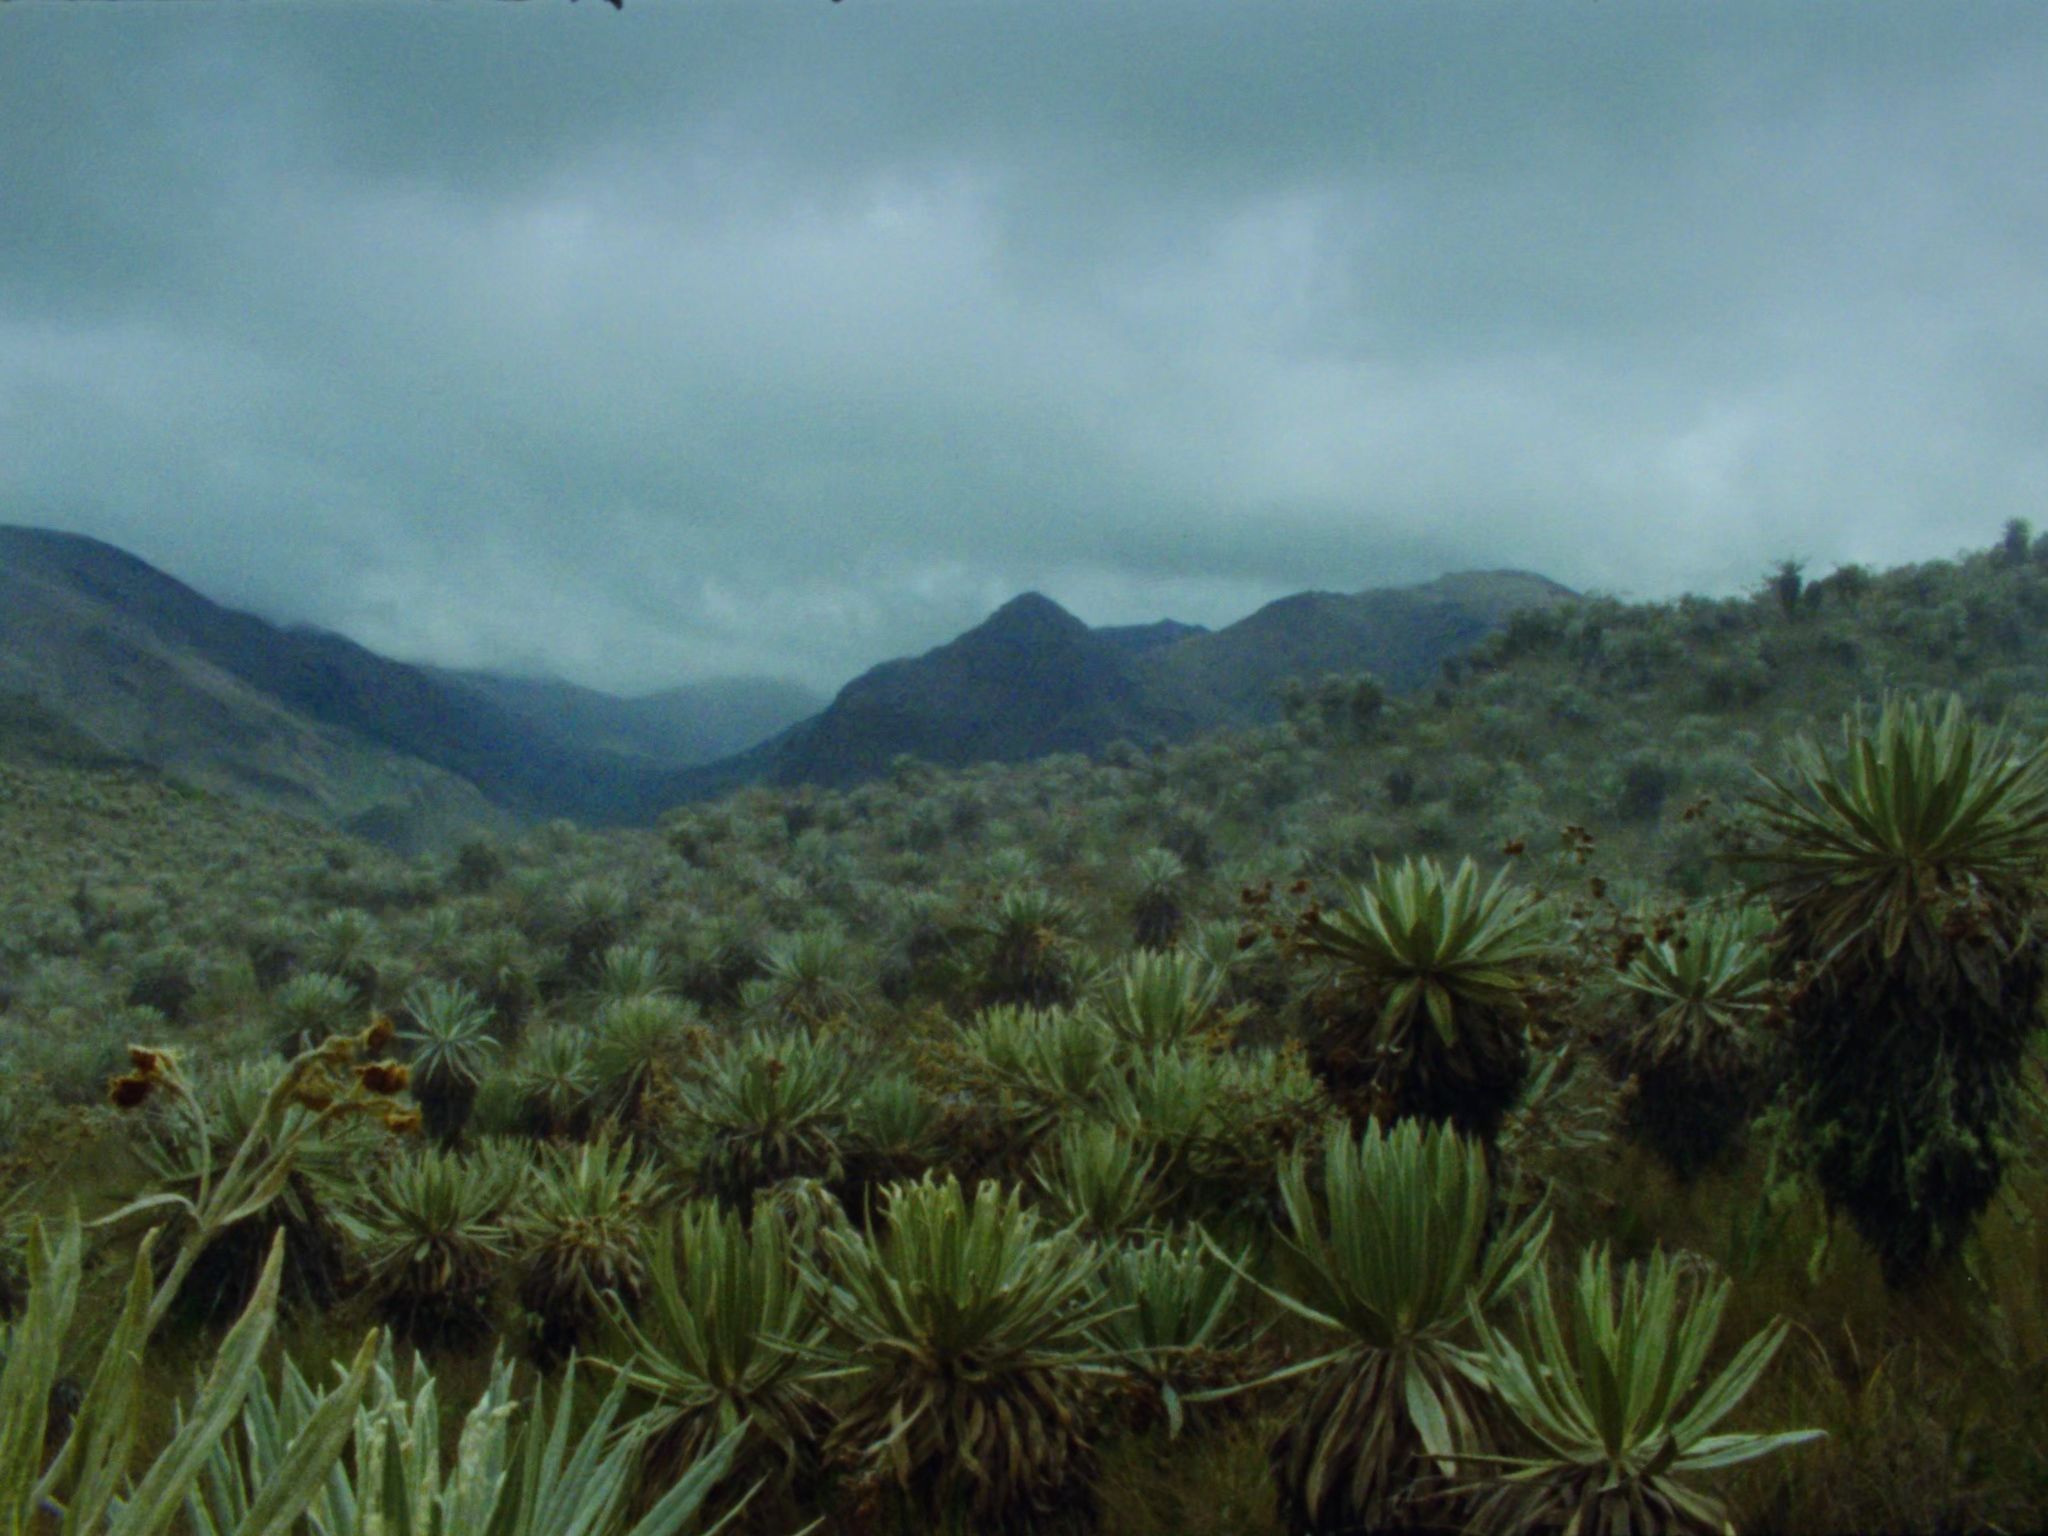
(971, 1358)
(725, 1342)
(432, 1240)
(500, 967)
(720, 959)
(1097, 1180)
(806, 981)
(1221, 1124)
(626, 972)
(452, 1047)
(1173, 1320)
(767, 1107)
(1390, 1260)
(1428, 1016)
(556, 1082)
(1159, 1000)
(1027, 951)
(643, 1049)
(311, 1006)
(1907, 871)
(595, 914)
(921, 948)
(1610, 1396)
(1695, 1051)
(344, 943)
(1158, 910)
(580, 1221)
(1025, 1069)
(892, 1131)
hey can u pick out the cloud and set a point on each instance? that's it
(784, 338)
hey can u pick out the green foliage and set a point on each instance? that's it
(1906, 870)
(1433, 976)
(1614, 1404)
(547, 1477)
(90, 1483)
(310, 1007)
(1392, 1258)
(1162, 999)
(1097, 1181)
(1027, 961)
(556, 1081)
(1172, 1313)
(1026, 1069)
(767, 1107)
(639, 1056)
(724, 1349)
(432, 1239)
(1696, 1049)
(451, 1048)
(970, 1345)
(580, 1222)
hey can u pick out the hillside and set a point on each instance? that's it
(297, 719)
(1033, 680)
(1401, 634)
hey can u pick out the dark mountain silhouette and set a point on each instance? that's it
(1033, 679)
(101, 652)
(304, 719)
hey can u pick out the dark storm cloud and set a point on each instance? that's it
(784, 337)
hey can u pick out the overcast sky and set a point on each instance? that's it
(783, 336)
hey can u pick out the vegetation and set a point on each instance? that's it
(1167, 1138)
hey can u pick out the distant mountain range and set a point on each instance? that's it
(1032, 679)
(102, 653)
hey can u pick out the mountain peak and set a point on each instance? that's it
(1032, 610)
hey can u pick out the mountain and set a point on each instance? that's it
(1029, 680)
(101, 653)
(1401, 634)
(297, 719)
(694, 723)
(1032, 679)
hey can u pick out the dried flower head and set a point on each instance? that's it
(384, 1077)
(130, 1091)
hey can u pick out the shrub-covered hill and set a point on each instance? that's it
(803, 994)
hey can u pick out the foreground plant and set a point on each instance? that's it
(189, 1138)
(724, 1346)
(90, 1483)
(970, 1344)
(1907, 870)
(1612, 1395)
(1696, 1049)
(545, 1477)
(1429, 1014)
(1098, 1180)
(1393, 1258)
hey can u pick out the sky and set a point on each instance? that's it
(716, 337)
